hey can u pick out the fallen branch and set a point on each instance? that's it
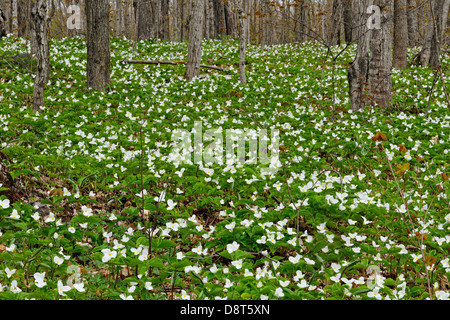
(168, 62)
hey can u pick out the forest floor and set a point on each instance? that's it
(94, 203)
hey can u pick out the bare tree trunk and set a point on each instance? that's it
(300, 7)
(440, 13)
(334, 35)
(230, 19)
(119, 18)
(195, 39)
(145, 17)
(242, 42)
(219, 17)
(400, 34)
(358, 72)
(3, 24)
(425, 53)
(39, 17)
(413, 23)
(175, 20)
(380, 67)
(184, 19)
(14, 18)
(156, 19)
(5, 17)
(98, 45)
(348, 20)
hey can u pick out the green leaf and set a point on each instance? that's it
(155, 262)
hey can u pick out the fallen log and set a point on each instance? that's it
(169, 62)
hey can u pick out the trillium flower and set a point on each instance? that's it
(279, 292)
(62, 288)
(171, 204)
(375, 294)
(295, 259)
(35, 216)
(237, 263)
(58, 260)
(9, 272)
(39, 279)
(108, 255)
(50, 218)
(79, 287)
(87, 212)
(4, 203)
(232, 247)
(172, 226)
(14, 288)
(123, 297)
(14, 214)
(148, 286)
(184, 295)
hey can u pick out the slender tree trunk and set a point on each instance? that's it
(242, 42)
(380, 67)
(219, 17)
(195, 39)
(98, 45)
(348, 20)
(39, 17)
(440, 13)
(413, 23)
(14, 18)
(358, 72)
(5, 17)
(334, 35)
(3, 24)
(230, 19)
(437, 13)
(425, 53)
(400, 34)
(145, 17)
(175, 20)
(119, 18)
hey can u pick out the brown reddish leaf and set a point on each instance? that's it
(421, 236)
(379, 137)
(445, 176)
(2, 247)
(402, 148)
(429, 260)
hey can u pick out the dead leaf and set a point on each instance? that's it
(435, 139)
(379, 137)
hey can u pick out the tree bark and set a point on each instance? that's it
(14, 17)
(219, 17)
(380, 67)
(334, 34)
(230, 19)
(39, 17)
(413, 23)
(440, 13)
(348, 20)
(400, 34)
(98, 45)
(242, 42)
(145, 17)
(3, 24)
(358, 72)
(195, 39)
